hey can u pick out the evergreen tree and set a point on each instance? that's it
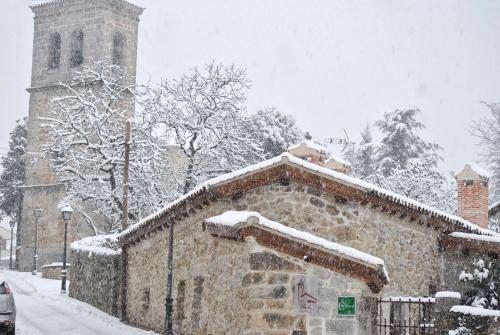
(12, 177)
(362, 155)
(275, 131)
(403, 162)
(401, 141)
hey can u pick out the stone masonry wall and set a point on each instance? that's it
(96, 280)
(229, 287)
(409, 249)
(208, 268)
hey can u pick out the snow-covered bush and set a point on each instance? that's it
(482, 282)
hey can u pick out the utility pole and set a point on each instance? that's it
(169, 306)
(125, 175)
(12, 225)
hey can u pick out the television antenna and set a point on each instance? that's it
(346, 141)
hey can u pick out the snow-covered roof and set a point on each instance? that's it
(469, 310)
(309, 144)
(239, 219)
(287, 158)
(476, 237)
(99, 244)
(239, 225)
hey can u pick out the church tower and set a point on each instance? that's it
(67, 35)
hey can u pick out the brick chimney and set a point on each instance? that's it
(472, 184)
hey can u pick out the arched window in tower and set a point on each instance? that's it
(118, 48)
(76, 58)
(54, 51)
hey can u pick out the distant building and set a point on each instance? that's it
(67, 34)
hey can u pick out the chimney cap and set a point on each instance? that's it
(333, 159)
(309, 146)
(473, 171)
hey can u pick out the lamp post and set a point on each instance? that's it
(37, 212)
(12, 225)
(66, 213)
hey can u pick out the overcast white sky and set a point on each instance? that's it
(331, 64)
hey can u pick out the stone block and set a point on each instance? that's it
(340, 327)
(278, 278)
(252, 278)
(266, 261)
(279, 321)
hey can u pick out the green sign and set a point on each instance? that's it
(346, 306)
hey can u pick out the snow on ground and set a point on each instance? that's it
(43, 310)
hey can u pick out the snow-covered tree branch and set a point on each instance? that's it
(487, 131)
(204, 113)
(86, 140)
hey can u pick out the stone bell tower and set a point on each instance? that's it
(67, 35)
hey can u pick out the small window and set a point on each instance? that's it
(146, 298)
(118, 48)
(54, 51)
(484, 184)
(76, 48)
(468, 182)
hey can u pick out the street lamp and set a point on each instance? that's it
(66, 213)
(12, 225)
(37, 212)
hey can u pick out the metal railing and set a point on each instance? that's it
(405, 316)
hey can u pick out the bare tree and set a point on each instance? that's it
(86, 137)
(204, 113)
(487, 131)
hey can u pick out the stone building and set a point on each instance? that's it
(289, 246)
(67, 35)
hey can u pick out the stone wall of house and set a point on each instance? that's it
(409, 249)
(223, 286)
(206, 268)
(96, 279)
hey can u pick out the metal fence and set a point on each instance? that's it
(405, 316)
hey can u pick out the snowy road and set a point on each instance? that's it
(42, 310)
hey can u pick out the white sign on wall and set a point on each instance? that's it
(305, 298)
